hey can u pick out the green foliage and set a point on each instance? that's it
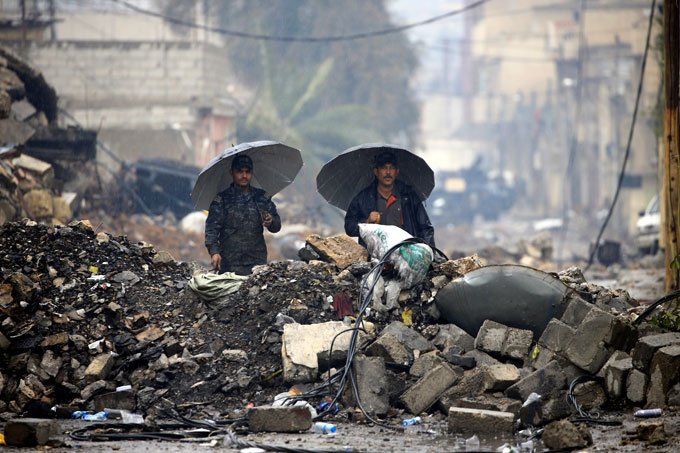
(668, 319)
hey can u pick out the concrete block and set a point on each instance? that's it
(429, 388)
(471, 383)
(563, 435)
(576, 311)
(371, 384)
(391, 349)
(664, 373)
(646, 347)
(425, 363)
(413, 340)
(452, 335)
(517, 343)
(615, 374)
(590, 395)
(290, 419)
(500, 377)
(340, 250)
(466, 421)
(491, 337)
(636, 386)
(546, 381)
(29, 432)
(590, 347)
(39, 203)
(482, 358)
(556, 336)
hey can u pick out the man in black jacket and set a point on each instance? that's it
(236, 221)
(388, 201)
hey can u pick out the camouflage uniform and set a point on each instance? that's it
(234, 228)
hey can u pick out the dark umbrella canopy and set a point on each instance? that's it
(347, 174)
(275, 165)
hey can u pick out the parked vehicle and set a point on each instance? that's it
(648, 228)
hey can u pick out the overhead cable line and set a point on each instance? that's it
(286, 38)
(622, 173)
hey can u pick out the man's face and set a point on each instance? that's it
(386, 174)
(241, 177)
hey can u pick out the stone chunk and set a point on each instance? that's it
(39, 203)
(576, 312)
(615, 374)
(490, 403)
(664, 373)
(99, 368)
(56, 339)
(409, 337)
(636, 386)
(461, 266)
(429, 388)
(504, 341)
(425, 363)
(478, 421)
(556, 336)
(287, 419)
(391, 349)
(564, 435)
(545, 381)
(4, 341)
(340, 250)
(452, 335)
(592, 344)
(646, 347)
(29, 432)
(500, 377)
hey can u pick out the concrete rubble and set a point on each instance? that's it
(85, 314)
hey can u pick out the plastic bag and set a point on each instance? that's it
(411, 261)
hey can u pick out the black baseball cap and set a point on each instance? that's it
(386, 157)
(242, 161)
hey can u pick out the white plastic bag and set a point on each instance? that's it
(411, 261)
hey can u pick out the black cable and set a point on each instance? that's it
(585, 416)
(670, 296)
(333, 38)
(622, 173)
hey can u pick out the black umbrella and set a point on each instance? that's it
(347, 174)
(275, 165)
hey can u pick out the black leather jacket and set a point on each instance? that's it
(416, 221)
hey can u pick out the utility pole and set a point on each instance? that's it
(670, 192)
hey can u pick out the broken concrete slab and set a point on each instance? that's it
(340, 250)
(286, 419)
(407, 336)
(99, 367)
(425, 392)
(500, 377)
(452, 335)
(466, 421)
(501, 340)
(115, 400)
(564, 435)
(556, 336)
(636, 386)
(391, 349)
(615, 374)
(488, 402)
(371, 384)
(304, 347)
(593, 343)
(424, 363)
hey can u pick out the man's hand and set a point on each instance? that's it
(373, 217)
(216, 260)
(267, 219)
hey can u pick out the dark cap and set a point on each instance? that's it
(386, 157)
(242, 161)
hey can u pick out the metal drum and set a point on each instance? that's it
(516, 296)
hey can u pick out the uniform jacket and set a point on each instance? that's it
(234, 228)
(416, 221)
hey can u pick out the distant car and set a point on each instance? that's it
(648, 227)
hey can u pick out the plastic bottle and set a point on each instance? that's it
(80, 414)
(648, 413)
(411, 421)
(99, 416)
(324, 428)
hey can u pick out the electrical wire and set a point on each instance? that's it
(583, 415)
(622, 173)
(673, 295)
(284, 38)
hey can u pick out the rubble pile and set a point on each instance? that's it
(83, 314)
(36, 156)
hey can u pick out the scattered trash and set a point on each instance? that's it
(324, 428)
(411, 421)
(648, 413)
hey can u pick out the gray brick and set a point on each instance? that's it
(478, 421)
(429, 388)
(664, 373)
(636, 386)
(545, 381)
(646, 347)
(290, 419)
(556, 336)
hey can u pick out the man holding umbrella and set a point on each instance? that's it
(235, 187)
(388, 201)
(236, 221)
